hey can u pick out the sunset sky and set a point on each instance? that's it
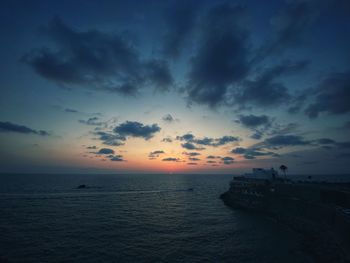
(174, 86)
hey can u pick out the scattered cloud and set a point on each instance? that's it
(251, 153)
(169, 119)
(221, 58)
(180, 19)
(213, 157)
(94, 121)
(110, 139)
(17, 128)
(191, 146)
(167, 139)
(155, 154)
(253, 121)
(332, 96)
(91, 147)
(239, 150)
(290, 26)
(105, 151)
(325, 141)
(227, 160)
(285, 140)
(266, 90)
(136, 129)
(191, 141)
(96, 60)
(171, 159)
(283, 129)
(69, 110)
(258, 124)
(191, 153)
(116, 158)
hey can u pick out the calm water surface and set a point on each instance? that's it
(133, 218)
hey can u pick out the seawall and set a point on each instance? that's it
(311, 210)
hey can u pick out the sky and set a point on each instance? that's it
(174, 86)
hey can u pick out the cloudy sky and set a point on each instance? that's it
(174, 86)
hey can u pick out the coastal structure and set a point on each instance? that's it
(320, 211)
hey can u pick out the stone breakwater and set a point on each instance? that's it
(320, 212)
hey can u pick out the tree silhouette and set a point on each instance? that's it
(284, 169)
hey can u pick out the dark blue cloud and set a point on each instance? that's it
(212, 157)
(97, 60)
(239, 150)
(224, 140)
(258, 124)
(167, 139)
(191, 153)
(71, 110)
(285, 140)
(251, 153)
(136, 129)
(227, 160)
(93, 147)
(171, 159)
(203, 141)
(191, 146)
(290, 26)
(168, 118)
(253, 121)
(116, 158)
(105, 151)
(329, 144)
(191, 140)
(158, 74)
(180, 18)
(332, 96)
(16, 128)
(283, 129)
(220, 68)
(325, 141)
(266, 90)
(185, 137)
(94, 121)
(110, 139)
(221, 58)
(155, 154)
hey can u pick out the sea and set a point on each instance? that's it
(134, 218)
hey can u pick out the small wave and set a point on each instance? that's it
(85, 192)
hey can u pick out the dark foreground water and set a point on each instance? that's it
(133, 218)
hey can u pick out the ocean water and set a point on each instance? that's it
(134, 218)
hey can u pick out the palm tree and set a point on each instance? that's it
(284, 169)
